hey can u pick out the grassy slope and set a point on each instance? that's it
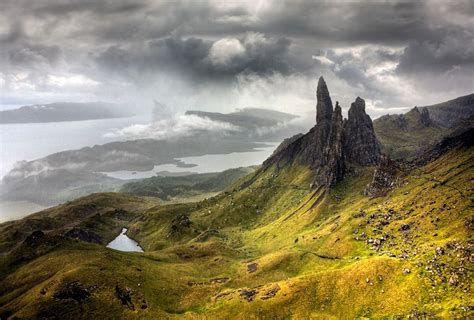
(103, 213)
(313, 249)
(402, 141)
(169, 188)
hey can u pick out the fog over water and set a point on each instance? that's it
(29, 141)
(202, 164)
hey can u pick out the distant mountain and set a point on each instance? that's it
(63, 111)
(69, 174)
(450, 113)
(402, 135)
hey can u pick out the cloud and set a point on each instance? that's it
(224, 51)
(141, 50)
(198, 59)
(25, 169)
(177, 126)
(438, 56)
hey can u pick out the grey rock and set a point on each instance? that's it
(333, 144)
(324, 103)
(360, 144)
(384, 178)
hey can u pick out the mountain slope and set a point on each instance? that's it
(273, 245)
(167, 188)
(450, 113)
(312, 253)
(402, 135)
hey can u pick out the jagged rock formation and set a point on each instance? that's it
(360, 144)
(333, 145)
(333, 166)
(384, 179)
(324, 103)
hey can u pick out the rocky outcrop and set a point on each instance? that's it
(333, 167)
(333, 145)
(384, 179)
(360, 144)
(72, 291)
(324, 103)
(84, 235)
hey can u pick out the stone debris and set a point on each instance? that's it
(125, 296)
(72, 290)
(252, 267)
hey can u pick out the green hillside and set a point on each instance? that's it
(402, 135)
(180, 187)
(268, 247)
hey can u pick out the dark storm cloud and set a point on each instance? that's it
(199, 58)
(371, 46)
(438, 56)
(14, 34)
(53, 8)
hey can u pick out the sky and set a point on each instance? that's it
(223, 55)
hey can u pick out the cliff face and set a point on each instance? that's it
(333, 167)
(333, 145)
(360, 144)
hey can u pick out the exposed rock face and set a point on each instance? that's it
(384, 178)
(360, 144)
(324, 104)
(84, 235)
(333, 144)
(74, 291)
(424, 119)
(285, 143)
(333, 167)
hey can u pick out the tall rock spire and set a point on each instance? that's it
(360, 144)
(333, 147)
(324, 103)
(333, 166)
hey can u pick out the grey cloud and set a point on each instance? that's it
(214, 42)
(16, 33)
(438, 56)
(51, 7)
(200, 58)
(34, 55)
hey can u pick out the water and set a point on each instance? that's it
(14, 210)
(29, 141)
(124, 243)
(202, 164)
